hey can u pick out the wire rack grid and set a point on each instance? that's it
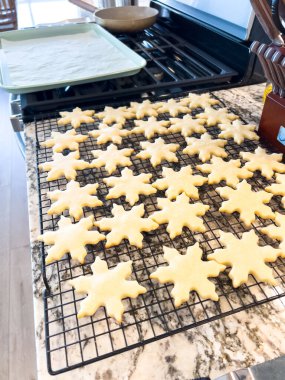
(73, 342)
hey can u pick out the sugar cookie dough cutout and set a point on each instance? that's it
(214, 117)
(76, 117)
(70, 238)
(188, 272)
(74, 198)
(245, 257)
(187, 125)
(158, 151)
(180, 213)
(265, 163)
(196, 101)
(64, 166)
(115, 115)
(106, 287)
(277, 232)
(129, 185)
(205, 147)
(179, 182)
(229, 171)
(150, 127)
(126, 225)
(106, 133)
(60, 141)
(146, 108)
(279, 187)
(238, 131)
(246, 202)
(111, 158)
(173, 107)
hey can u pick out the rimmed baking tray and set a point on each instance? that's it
(42, 58)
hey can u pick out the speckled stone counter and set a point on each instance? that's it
(240, 340)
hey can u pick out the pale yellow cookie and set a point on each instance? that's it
(245, 257)
(126, 225)
(64, 166)
(238, 131)
(187, 125)
(188, 272)
(158, 151)
(173, 107)
(115, 115)
(214, 117)
(111, 158)
(180, 213)
(179, 182)
(106, 133)
(205, 147)
(229, 171)
(194, 101)
(277, 232)
(264, 162)
(76, 117)
(246, 202)
(74, 198)
(129, 185)
(279, 187)
(70, 238)
(146, 108)
(150, 127)
(106, 287)
(60, 141)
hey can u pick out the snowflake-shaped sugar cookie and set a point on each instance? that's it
(158, 151)
(106, 133)
(70, 238)
(194, 101)
(150, 127)
(60, 141)
(238, 131)
(115, 115)
(129, 185)
(173, 107)
(229, 171)
(187, 125)
(278, 188)
(277, 232)
(111, 158)
(126, 225)
(76, 117)
(74, 198)
(180, 213)
(245, 257)
(63, 166)
(205, 147)
(246, 202)
(264, 162)
(179, 182)
(146, 108)
(106, 287)
(188, 272)
(214, 117)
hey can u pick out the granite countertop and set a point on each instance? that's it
(240, 340)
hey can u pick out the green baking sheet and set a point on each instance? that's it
(49, 57)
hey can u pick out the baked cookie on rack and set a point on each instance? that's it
(278, 188)
(214, 117)
(173, 107)
(205, 147)
(76, 117)
(182, 272)
(118, 115)
(150, 127)
(245, 257)
(111, 158)
(106, 133)
(238, 131)
(106, 287)
(277, 231)
(199, 101)
(158, 151)
(145, 108)
(187, 125)
(60, 141)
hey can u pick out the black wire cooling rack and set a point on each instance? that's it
(73, 342)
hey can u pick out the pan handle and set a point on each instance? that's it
(276, 17)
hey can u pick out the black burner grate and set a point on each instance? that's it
(72, 342)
